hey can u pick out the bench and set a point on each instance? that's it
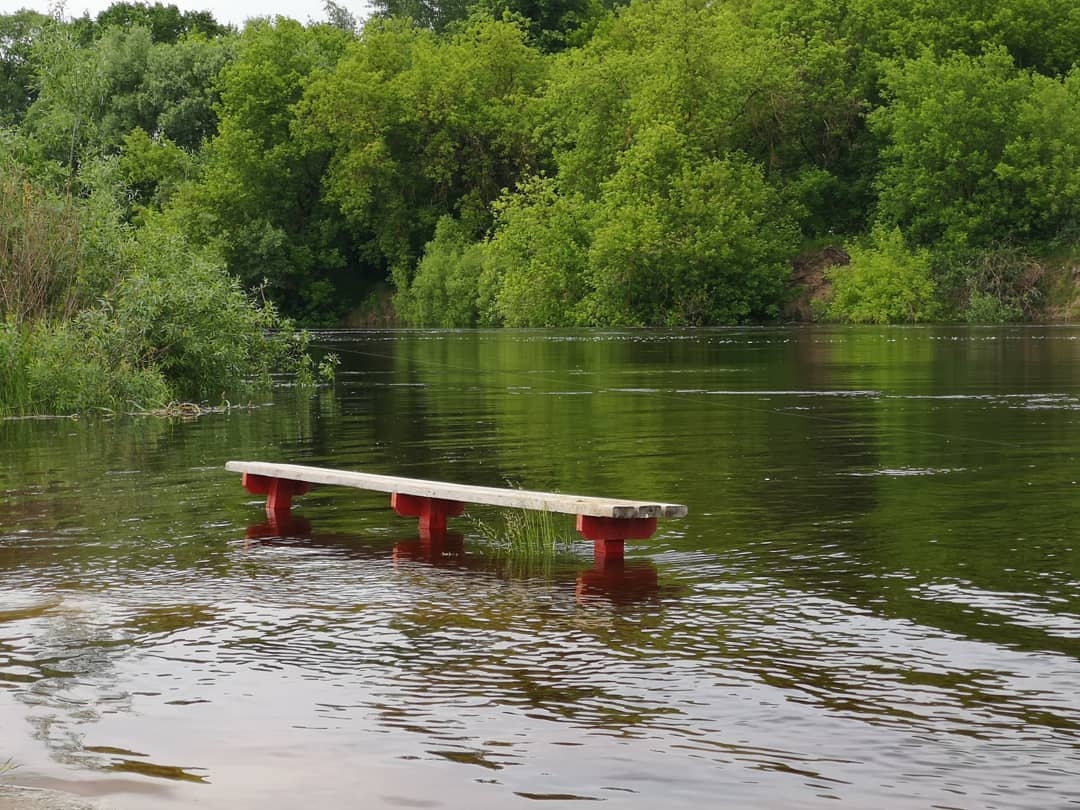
(606, 521)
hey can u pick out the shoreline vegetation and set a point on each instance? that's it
(179, 197)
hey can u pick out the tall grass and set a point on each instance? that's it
(528, 542)
(39, 250)
(7, 766)
(15, 356)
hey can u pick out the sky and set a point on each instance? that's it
(224, 11)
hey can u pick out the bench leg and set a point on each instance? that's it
(608, 534)
(432, 512)
(278, 491)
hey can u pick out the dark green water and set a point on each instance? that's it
(874, 602)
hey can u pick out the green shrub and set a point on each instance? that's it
(884, 283)
(445, 290)
(687, 241)
(534, 263)
(14, 359)
(978, 150)
(39, 250)
(187, 318)
(74, 367)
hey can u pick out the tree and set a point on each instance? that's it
(445, 292)
(553, 25)
(661, 212)
(339, 17)
(535, 263)
(18, 32)
(420, 127)
(434, 15)
(687, 240)
(72, 91)
(91, 97)
(259, 201)
(166, 23)
(978, 151)
(1043, 35)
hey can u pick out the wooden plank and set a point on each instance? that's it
(465, 493)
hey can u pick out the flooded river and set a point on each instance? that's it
(874, 601)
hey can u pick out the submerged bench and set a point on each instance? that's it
(605, 521)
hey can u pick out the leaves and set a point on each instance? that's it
(978, 151)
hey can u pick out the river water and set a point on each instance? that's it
(874, 601)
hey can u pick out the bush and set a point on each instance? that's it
(978, 151)
(184, 316)
(884, 283)
(685, 241)
(39, 250)
(445, 290)
(535, 262)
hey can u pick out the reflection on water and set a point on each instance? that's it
(875, 598)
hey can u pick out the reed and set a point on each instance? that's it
(15, 356)
(40, 250)
(7, 766)
(527, 534)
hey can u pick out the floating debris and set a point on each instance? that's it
(192, 410)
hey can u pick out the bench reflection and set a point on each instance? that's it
(618, 580)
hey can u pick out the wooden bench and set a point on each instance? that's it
(606, 521)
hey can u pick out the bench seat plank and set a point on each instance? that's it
(464, 493)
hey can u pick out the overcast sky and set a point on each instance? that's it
(224, 11)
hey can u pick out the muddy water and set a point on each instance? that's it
(874, 602)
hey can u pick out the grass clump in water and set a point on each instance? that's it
(530, 542)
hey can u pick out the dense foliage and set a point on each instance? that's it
(571, 162)
(95, 314)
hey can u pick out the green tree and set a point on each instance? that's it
(166, 23)
(552, 24)
(685, 239)
(1043, 35)
(340, 17)
(91, 97)
(445, 292)
(64, 122)
(697, 66)
(535, 263)
(419, 127)
(259, 202)
(662, 211)
(436, 16)
(18, 32)
(152, 170)
(978, 151)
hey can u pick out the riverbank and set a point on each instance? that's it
(1014, 288)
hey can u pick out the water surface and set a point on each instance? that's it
(875, 599)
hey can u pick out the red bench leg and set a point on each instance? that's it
(608, 534)
(432, 512)
(278, 491)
